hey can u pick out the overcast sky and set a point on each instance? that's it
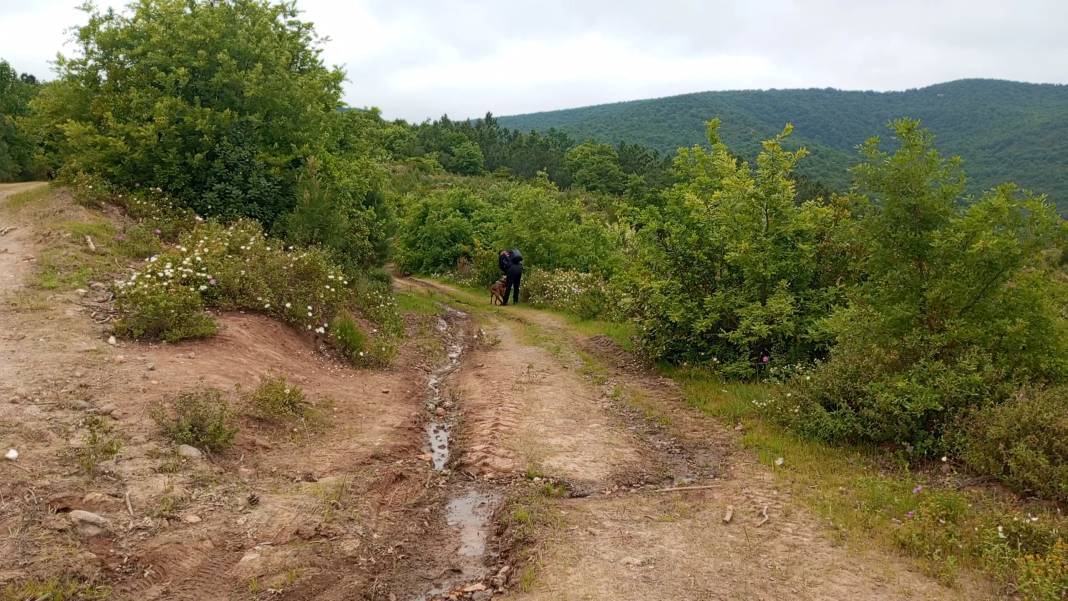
(465, 57)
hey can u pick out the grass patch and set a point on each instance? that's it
(425, 302)
(100, 444)
(201, 418)
(865, 494)
(54, 589)
(21, 199)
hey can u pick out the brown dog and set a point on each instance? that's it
(497, 291)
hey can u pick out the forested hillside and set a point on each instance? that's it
(1004, 130)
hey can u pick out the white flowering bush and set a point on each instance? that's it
(584, 294)
(237, 266)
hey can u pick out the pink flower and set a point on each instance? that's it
(916, 491)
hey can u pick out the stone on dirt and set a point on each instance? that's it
(189, 452)
(112, 341)
(11, 454)
(87, 523)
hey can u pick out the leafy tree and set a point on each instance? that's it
(729, 268)
(16, 144)
(595, 167)
(956, 307)
(467, 159)
(216, 101)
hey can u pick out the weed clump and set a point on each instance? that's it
(276, 399)
(201, 418)
(100, 445)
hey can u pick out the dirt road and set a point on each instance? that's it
(503, 455)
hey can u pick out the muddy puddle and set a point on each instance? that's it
(438, 426)
(469, 512)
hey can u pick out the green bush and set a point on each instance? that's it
(350, 339)
(581, 293)
(1022, 442)
(733, 266)
(276, 399)
(201, 418)
(956, 308)
(165, 312)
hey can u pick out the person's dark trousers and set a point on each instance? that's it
(512, 283)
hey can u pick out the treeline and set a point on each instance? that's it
(1004, 130)
(17, 160)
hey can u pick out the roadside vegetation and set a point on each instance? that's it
(896, 343)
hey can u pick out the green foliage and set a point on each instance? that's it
(99, 444)
(595, 167)
(440, 230)
(731, 266)
(344, 217)
(1022, 442)
(276, 399)
(954, 310)
(1006, 131)
(16, 143)
(201, 418)
(349, 337)
(215, 102)
(168, 311)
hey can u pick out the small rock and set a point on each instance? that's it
(191, 519)
(11, 454)
(151, 367)
(82, 291)
(112, 341)
(739, 428)
(501, 578)
(105, 409)
(474, 588)
(780, 461)
(79, 373)
(385, 391)
(189, 452)
(87, 523)
(120, 359)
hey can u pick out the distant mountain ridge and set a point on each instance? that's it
(1004, 130)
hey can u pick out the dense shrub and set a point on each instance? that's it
(732, 267)
(442, 229)
(955, 310)
(1045, 577)
(166, 311)
(239, 267)
(201, 418)
(1022, 442)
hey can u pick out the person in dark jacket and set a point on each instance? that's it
(513, 274)
(504, 260)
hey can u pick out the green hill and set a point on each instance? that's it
(1005, 131)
